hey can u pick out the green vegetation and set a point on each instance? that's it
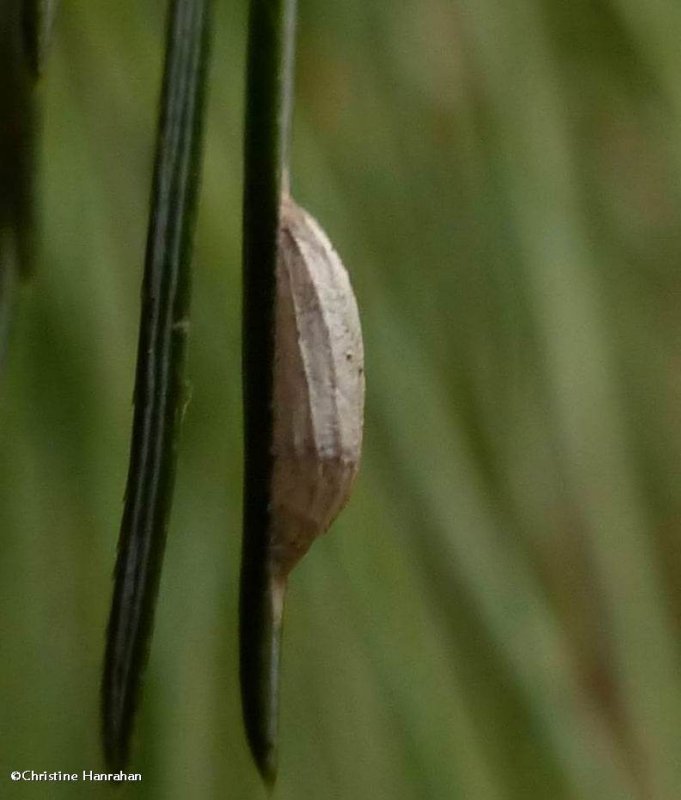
(495, 615)
(268, 107)
(160, 384)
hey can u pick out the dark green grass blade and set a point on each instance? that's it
(37, 22)
(18, 124)
(268, 105)
(159, 387)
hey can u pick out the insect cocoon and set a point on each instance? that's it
(318, 388)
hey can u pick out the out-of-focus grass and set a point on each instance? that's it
(496, 613)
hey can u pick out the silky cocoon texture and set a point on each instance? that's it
(318, 388)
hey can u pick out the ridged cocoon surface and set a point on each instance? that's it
(318, 388)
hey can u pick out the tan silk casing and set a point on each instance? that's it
(318, 388)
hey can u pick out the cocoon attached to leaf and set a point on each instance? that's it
(318, 388)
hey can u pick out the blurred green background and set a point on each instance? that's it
(496, 614)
